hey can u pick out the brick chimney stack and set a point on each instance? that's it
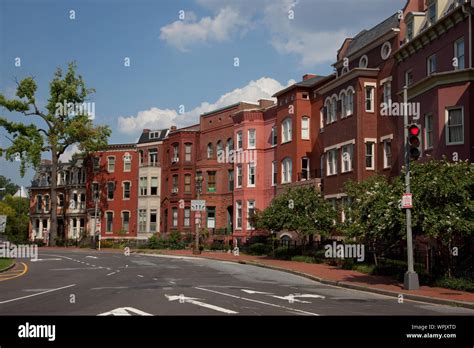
(146, 130)
(265, 103)
(308, 76)
(173, 128)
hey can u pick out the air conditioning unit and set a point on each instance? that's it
(175, 160)
(174, 190)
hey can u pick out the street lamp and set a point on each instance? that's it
(199, 179)
(96, 201)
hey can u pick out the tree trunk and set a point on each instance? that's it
(53, 231)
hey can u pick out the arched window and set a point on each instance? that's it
(334, 109)
(349, 102)
(286, 170)
(230, 144)
(343, 99)
(219, 147)
(210, 150)
(286, 130)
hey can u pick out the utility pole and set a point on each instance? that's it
(411, 281)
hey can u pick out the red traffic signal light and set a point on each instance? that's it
(414, 130)
(414, 141)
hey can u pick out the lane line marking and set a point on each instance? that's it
(40, 293)
(71, 269)
(139, 275)
(36, 260)
(111, 273)
(194, 301)
(256, 301)
(25, 269)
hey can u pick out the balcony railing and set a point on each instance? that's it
(309, 174)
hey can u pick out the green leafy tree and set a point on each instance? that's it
(443, 204)
(60, 128)
(10, 187)
(374, 217)
(302, 210)
(16, 210)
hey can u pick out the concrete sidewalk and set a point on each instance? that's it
(344, 278)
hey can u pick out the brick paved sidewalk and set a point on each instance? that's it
(346, 278)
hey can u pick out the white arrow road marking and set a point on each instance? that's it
(40, 293)
(290, 299)
(125, 311)
(256, 301)
(35, 260)
(256, 292)
(92, 257)
(184, 299)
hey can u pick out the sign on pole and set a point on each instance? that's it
(407, 201)
(3, 223)
(198, 205)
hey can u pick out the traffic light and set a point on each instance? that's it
(414, 141)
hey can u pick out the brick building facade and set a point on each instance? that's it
(322, 131)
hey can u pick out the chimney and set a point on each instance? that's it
(308, 76)
(265, 103)
(146, 131)
(173, 128)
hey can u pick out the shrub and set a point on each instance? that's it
(175, 241)
(283, 253)
(460, 284)
(104, 243)
(258, 249)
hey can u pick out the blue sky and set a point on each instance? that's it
(173, 61)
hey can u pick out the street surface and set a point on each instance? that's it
(87, 282)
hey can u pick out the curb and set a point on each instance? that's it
(8, 267)
(390, 293)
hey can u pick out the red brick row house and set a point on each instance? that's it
(321, 131)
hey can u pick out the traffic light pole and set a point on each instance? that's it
(411, 281)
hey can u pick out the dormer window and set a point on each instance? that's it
(432, 11)
(363, 62)
(154, 135)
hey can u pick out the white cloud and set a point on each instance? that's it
(188, 32)
(67, 155)
(156, 118)
(312, 35)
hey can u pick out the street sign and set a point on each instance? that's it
(407, 201)
(3, 223)
(198, 205)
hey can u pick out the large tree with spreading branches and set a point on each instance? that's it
(52, 130)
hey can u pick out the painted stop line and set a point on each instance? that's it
(183, 299)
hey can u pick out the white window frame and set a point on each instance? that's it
(286, 130)
(448, 143)
(252, 138)
(349, 148)
(350, 101)
(331, 162)
(106, 221)
(239, 174)
(250, 202)
(187, 217)
(251, 171)
(431, 63)
(387, 165)
(273, 136)
(383, 54)
(372, 154)
(373, 87)
(305, 136)
(286, 170)
(238, 215)
(174, 218)
(364, 62)
(127, 162)
(240, 143)
(129, 189)
(122, 215)
(108, 164)
(387, 92)
(456, 53)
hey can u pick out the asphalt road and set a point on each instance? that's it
(85, 282)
